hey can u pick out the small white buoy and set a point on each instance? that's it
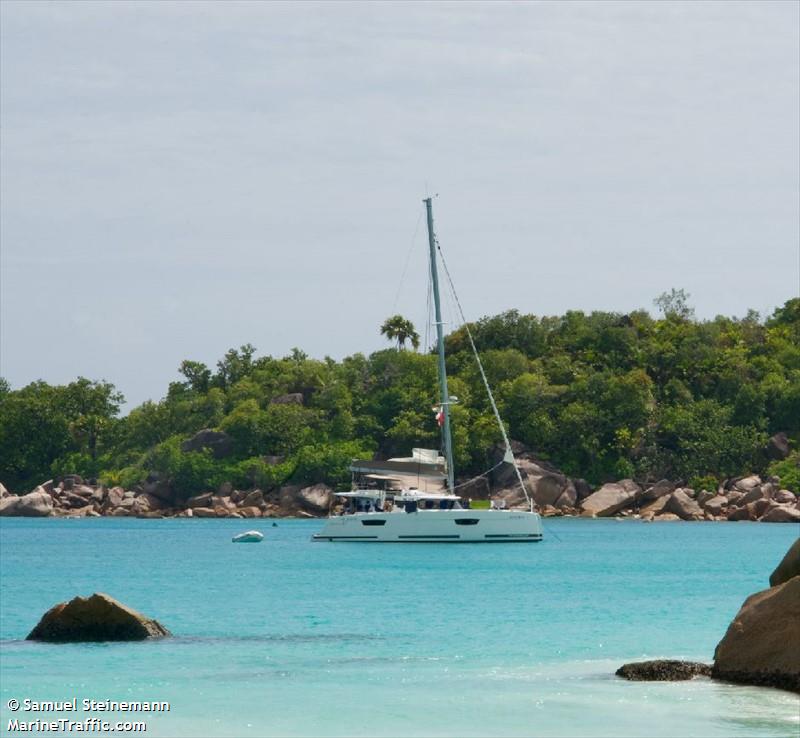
(251, 536)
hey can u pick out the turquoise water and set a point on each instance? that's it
(290, 637)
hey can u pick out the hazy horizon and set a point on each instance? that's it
(182, 178)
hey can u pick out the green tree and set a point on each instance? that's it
(33, 432)
(197, 374)
(91, 407)
(675, 304)
(397, 328)
(236, 364)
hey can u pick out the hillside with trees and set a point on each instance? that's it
(602, 396)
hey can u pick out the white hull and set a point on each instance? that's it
(434, 526)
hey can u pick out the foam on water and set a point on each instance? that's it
(294, 638)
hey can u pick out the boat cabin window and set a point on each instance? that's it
(431, 504)
(361, 505)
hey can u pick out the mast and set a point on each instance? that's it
(444, 394)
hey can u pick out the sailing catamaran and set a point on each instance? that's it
(415, 499)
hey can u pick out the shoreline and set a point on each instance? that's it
(553, 494)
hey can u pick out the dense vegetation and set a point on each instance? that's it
(602, 396)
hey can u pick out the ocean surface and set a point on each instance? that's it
(294, 638)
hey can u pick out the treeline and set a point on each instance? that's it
(603, 396)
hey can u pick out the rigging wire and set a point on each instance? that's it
(408, 259)
(509, 456)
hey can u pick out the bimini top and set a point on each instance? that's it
(415, 495)
(408, 468)
(406, 495)
(369, 494)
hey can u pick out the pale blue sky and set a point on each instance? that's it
(180, 178)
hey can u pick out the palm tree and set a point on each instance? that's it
(397, 328)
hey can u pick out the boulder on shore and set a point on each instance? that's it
(740, 513)
(253, 499)
(745, 484)
(663, 670)
(716, 504)
(782, 514)
(611, 498)
(36, 504)
(680, 504)
(547, 489)
(95, 618)
(201, 500)
(568, 498)
(761, 645)
(659, 489)
(654, 508)
(317, 498)
(582, 488)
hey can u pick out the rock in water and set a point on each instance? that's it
(762, 644)
(663, 670)
(789, 566)
(95, 618)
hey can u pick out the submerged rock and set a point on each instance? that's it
(96, 618)
(663, 670)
